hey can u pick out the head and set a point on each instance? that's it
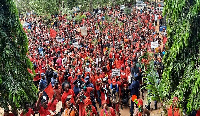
(66, 87)
(134, 64)
(44, 102)
(104, 104)
(68, 103)
(6, 112)
(42, 75)
(175, 102)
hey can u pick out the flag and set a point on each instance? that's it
(49, 91)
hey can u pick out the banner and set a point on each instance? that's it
(83, 31)
(115, 72)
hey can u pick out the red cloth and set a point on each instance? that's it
(94, 112)
(10, 114)
(198, 112)
(87, 93)
(65, 94)
(176, 111)
(87, 102)
(52, 105)
(44, 112)
(37, 77)
(111, 112)
(58, 94)
(49, 91)
(29, 113)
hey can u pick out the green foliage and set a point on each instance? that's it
(181, 61)
(79, 17)
(17, 86)
(43, 7)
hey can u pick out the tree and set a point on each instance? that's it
(16, 84)
(181, 76)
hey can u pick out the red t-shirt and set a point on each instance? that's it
(94, 112)
(198, 113)
(44, 112)
(111, 112)
(30, 111)
(65, 94)
(87, 93)
(176, 112)
(52, 106)
(10, 114)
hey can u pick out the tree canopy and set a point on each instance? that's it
(55, 6)
(181, 76)
(16, 83)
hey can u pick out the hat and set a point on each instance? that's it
(55, 74)
(87, 78)
(87, 101)
(104, 102)
(42, 74)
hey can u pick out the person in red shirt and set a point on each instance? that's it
(89, 109)
(41, 105)
(174, 110)
(88, 90)
(28, 112)
(6, 113)
(98, 78)
(52, 104)
(107, 111)
(68, 93)
(57, 90)
(198, 112)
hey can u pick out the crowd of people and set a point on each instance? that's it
(82, 76)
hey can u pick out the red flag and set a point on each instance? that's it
(53, 33)
(49, 91)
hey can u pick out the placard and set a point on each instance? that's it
(83, 31)
(154, 44)
(115, 72)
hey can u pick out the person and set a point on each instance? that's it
(67, 93)
(173, 109)
(89, 110)
(134, 90)
(52, 104)
(49, 74)
(43, 82)
(125, 95)
(135, 71)
(87, 82)
(57, 89)
(98, 79)
(42, 106)
(6, 113)
(70, 109)
(140, 111)
(80, 101)
(28, 111)
(107, 111)
(54, 79)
